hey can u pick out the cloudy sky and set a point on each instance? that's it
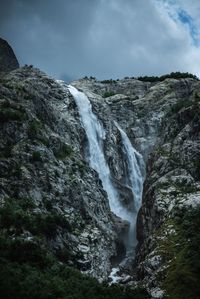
(69, 39)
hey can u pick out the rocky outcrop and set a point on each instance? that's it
(171, 190)
(163, 123)
(50, 197)
(41, 160)
(8, 60)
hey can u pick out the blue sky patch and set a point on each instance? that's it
(187, 20)
(178, 14)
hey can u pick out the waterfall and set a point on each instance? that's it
(96, 135)
(135, 165)
(136, 174)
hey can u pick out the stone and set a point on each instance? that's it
(8, 60)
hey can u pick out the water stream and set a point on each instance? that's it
(96, 136)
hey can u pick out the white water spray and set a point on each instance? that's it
(136, 173)
(96, 135)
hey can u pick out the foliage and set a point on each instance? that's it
(36, 131)
(19, 215)
(30, 270)
(183, 273)
(34, 128)
(108, 94)
(10, 114)
(173, 75)
(178, 106)
(56, 282)
(64, 151)
(110, 81)
(6, 151)
(36, 156)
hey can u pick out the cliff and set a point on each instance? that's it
(54, 212)
(8, 60)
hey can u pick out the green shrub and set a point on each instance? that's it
(183, 273)
(9, 114)
(34, 128)
(64, 151)
(24, 251)
(108, 94)
(36, 157)
(20, 215)
(173, 75)
(110, 81)
(57, 282)
(178, 106)
(5, 152)
(30, 270)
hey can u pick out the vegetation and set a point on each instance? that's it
(110, 81)
(108, 94)
(36, 156)
(9, 112)
(30, 270)
(64, 151)
(173, 75)
(19, 215)
(182, 249)
(23, 281)
(34, 128)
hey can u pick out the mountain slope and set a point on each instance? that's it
(54, 213)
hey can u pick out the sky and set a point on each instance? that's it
(70, 39)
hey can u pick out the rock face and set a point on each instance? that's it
(59, 199)
(163, 123)
(171, 189)
(8, 60)
(41, 159)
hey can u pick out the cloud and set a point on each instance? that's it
(104, 38)
(183, 15)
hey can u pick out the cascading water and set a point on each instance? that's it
(96, 136)
(136, 173)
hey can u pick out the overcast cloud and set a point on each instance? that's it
(69, 39)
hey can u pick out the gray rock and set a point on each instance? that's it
(8, 60)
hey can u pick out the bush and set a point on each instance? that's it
(108, 94)
(173, 75)
(30, 270)
(178, 106)
(34, 128)
(64, 151)
(57, 282)
(10, 114)
(36, 157)
(20, 215)
(183, 273)
(110, 81)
